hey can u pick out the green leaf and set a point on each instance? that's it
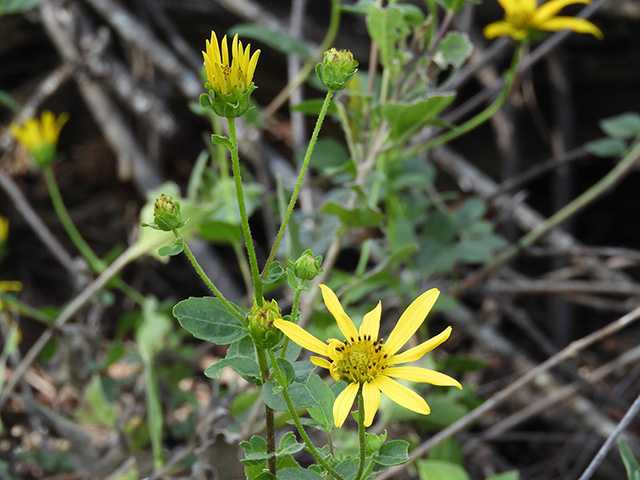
(631, 465)
(300, 396)
(298, 474)
(222, 140)
(289, 445)
(362, 216)
(323, 411)
(176, 248)
(392, 453)
(97, 408)
(510, 475)
(286, 368)
(626, 125)
(8, 7)
(208, 319)
(217, 231)
(441, 470)
(275, 38)
(454, 50)
(328, 156)
(274, 274)
(449, 450)
(607, 147)
(246, 367)
(6, 99)
(456, 5)
(407, 118)
(386, 26)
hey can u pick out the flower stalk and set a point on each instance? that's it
(244, 219)
(296, 190)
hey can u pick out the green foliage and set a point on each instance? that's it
(623, 131)
(208, 319)
(631, 465)
(441, 470)
(9, 7)
(276, 39)
(511, 475)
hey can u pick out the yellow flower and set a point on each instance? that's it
(40, 137)
(224, 77)
(523, 17)
(367, 362)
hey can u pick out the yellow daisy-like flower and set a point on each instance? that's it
(40, 137)
(523, 17)
(365, 361)
(225, 76)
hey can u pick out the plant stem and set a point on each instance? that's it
(246, 230)
(294, 416)
(296, 190)
(361, 434)
(269, 419)
(208, 281)
(96, 264)
(479, 119)
(607, 182)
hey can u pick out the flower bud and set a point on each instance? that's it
(166, 214)
(307, 267)
(337, 69)
(261, 327)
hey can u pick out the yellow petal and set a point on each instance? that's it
(411, 320)
(234, 47)
(422, 375)
(402, 395)
(252, 66)
(342, 405)
(345, 324)
(214, 52)
(551, 9)
(371, 395)
(415, 353)
(502, 28)
(320, 362)
(224, 51)
(371, 323)
(579, 25)
(218, 78)
(300, 336)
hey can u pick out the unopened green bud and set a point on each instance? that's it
(261, 326)
(337, 69)
(166, 214)
(307, 267)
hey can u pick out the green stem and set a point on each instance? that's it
(479, 119)
(294, 416)
(96, 264)
(307, 68)
(246, 230)
(207, 280)
(361, 435)
(626, 165)
(269, 418)
(303, 170)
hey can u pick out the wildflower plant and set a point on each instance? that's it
(388, 116)
(265, 342)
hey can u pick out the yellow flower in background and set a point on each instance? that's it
(225, 76)
(523, 17)
(365, 361)
(40, 137)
